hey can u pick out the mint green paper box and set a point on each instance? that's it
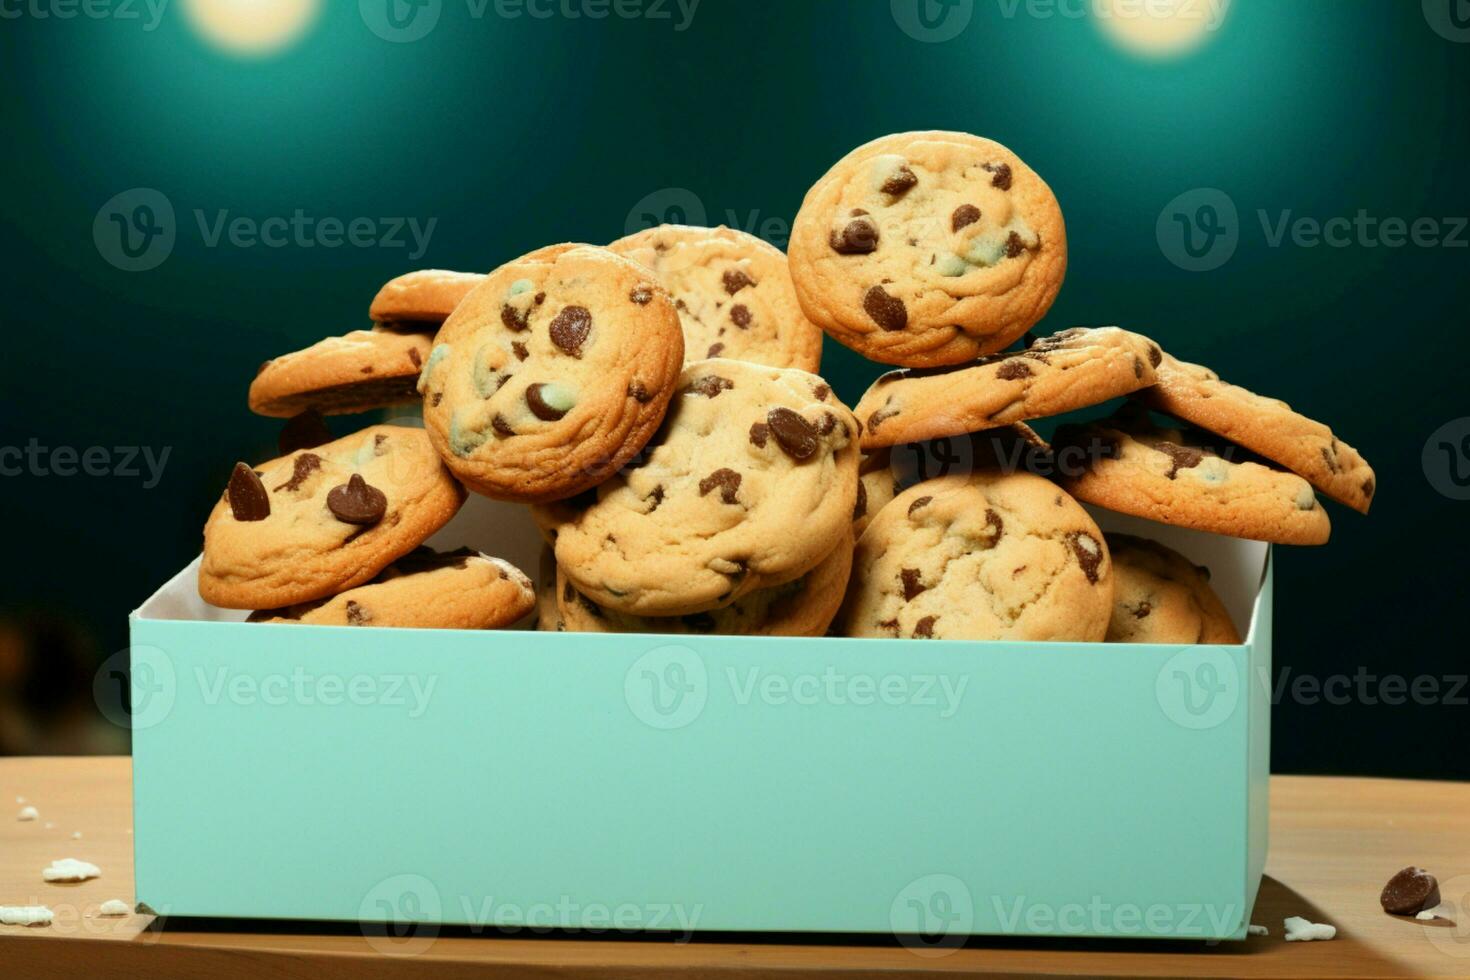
(614, 783)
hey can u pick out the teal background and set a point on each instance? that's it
(518, 132)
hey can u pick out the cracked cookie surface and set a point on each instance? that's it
(804, 606)
(1174, 476)
(1159, 596)
(928, 248)
(424, 589)
(1066, 371)
(750, 483)
(552, 373)
(422, 300)
(357, 372)
(988, 556)
(1266, 426)
(733, 292)
(322, 520)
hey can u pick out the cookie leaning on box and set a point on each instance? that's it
(750, 483)
(1128, 464)
(424, 589)
(928, 248)
(552, 373)
(1159, 596)
(984, 556)
(319, 521)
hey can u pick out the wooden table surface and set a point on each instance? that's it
(1334, 842)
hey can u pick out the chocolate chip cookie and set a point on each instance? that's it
(1159, 596)
(733, 293)
(317, 522)
(802, 607)
(1266, 426)
(988, 556)
(1066, 371)
(929, 248)
(1128, 464)
(357, 372)
(552, 373)
(750, 483)
(420, 301)
(424, 589)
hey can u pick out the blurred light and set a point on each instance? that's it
(251, 27)
(1159, 28)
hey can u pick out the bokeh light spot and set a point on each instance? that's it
(251, 28)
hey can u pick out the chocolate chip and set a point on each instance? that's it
(1001, 176)
(992, 519)
(1089, 553)
(356, 502)
(740, 315)
(759, 432)
(714, 350)
(501, 426)
(1328, 458)
(539, 299)
(639, 393)
(924, 628)
(1014, 246)
(304, 431)
(911, 584)
(1143, 610)
(728, 482)
(821, 391)
(858, 237)
(657, 496)
(878, 418)
(570, 328)
(519, 350)
(1411, 891)
(435, 399)
(366, 369)
(1155, 355)
(1180, 457)
(356, 615)
(918, 502)
(248, 499)
(413, 355)
(1368, 487)
(539, 406)
(641, 295)
(826, 424)
(794, 434)
(861, 507)
(736, 280)
(964, 215)
(710, 385)
(899, 182)
(1137, 368)
(1013, 370)
(513, 318)
(887, 311)
(306, 464)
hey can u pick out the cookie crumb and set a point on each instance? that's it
(27, 813)
(70, 869)
(114, 906)
(1304, 931)
(1255, 930)
(25, 915)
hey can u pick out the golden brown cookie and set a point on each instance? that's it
(357, 372)
(928, 248)
(424, 589)
(1266, 426)
(420, 301)
(552, 373)
(1159, 596)
(1069, 370)
(323, 520)
(733, 293)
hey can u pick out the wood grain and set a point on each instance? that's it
(1334, 842)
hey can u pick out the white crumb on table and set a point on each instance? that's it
(20, 799)
(70, 869)
(76, 835)
(50, 825)
(25, 915)
(1256, 930)
(1299, 930)
(114, 906)
(1426, 915)
(27, 813)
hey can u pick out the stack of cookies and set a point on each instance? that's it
(655, 404)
